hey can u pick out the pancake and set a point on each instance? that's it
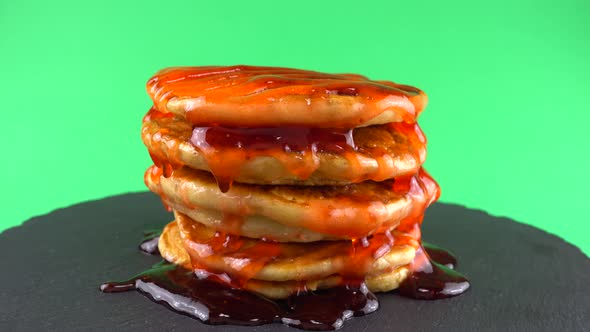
(257, 227)
(384, 274)
(379, 153)
(246, 258)
(245, 96)
(352, 211)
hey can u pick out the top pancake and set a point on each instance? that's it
(248, 96)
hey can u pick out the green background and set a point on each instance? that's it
(508, 83)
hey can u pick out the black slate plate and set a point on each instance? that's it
(523, 279)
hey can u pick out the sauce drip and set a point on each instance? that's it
(227, 149)
(165, 162)
(432, 275)
(397, 148)
(214, 302)
(262, 139)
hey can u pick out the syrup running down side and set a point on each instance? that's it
(213, 301)
(227, 149)
(241, 144)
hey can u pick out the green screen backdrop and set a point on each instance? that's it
(508, 83)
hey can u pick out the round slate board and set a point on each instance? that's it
(523, 279)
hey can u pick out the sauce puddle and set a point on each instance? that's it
(149, 244)
(432, 280)
(213, 301)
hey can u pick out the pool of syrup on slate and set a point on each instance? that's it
(149, 243)
(214, 302)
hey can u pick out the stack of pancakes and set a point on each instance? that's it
(285, 180)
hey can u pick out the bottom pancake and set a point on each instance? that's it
(297, 269)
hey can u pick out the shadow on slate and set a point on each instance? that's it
(523, 279)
